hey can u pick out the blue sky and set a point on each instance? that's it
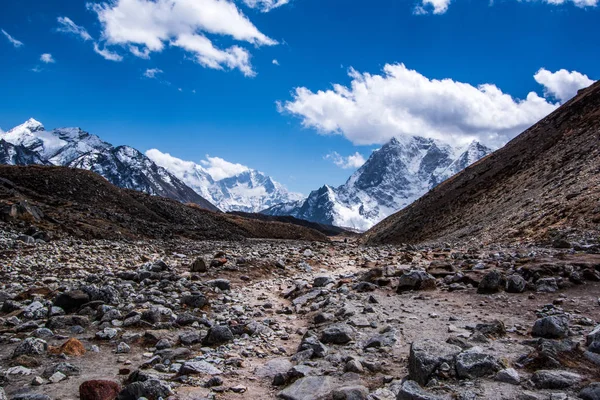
(403, 70)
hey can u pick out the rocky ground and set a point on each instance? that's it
(183, 319)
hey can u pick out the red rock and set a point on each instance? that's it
(99, 390)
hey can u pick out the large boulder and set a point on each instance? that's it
(71, 301)
(30, 347)
(551, 327)
(337, 334)
(426, 356)
(415, 280)
(474, 363)
(152, 389)
(555, 379)
(515, 284)
(491, 283)
(217, 335)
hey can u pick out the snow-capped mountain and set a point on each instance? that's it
(123, 166)
(393, 177)
(247, 191)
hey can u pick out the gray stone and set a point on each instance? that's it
(194, 300)
(410, 390)
(57, 377)
(426, 356)
(198, 368)
(415, 280)
(308, 388)
(546, 285)
(491, 283)
(30, 347)
(190, 338)
(222, 284)
(337, 334)
(591, 392)
(322, 280)
(357, 392)
(508, 375)
(123, 348)
(218, 335)
(151, 389)
(273, 367)
(473, 364)
(555, 379)
(199, 265)
(593, 336)
(551, 327)
(515, 284)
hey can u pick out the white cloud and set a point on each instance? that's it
(147, 26)
(68, 26)
(36, 69)
(12, 40)
(221, 169)
(107, 54)
(151, 73)
(265, 5)
(437, 6)
(145, 54)
(216, 167)
(578, 3)
(441, 6)
(402, 102)
(47, 58)
(211, 57)
(562, 84)
(275, 62)
(353, 161)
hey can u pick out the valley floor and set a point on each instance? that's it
(295, 320)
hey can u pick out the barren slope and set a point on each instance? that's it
(83, 204)
(543, 185)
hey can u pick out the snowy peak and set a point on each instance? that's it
(394, 176)
(123, 166)
(247, 191)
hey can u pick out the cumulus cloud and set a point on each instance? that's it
(401, 101)
(221, 169)
(12, 40)
(216, 167)
(107, 54)
(66, 25)
(152, 72)
(275, 62)
(146, 26)
(353, 161)
(47, 58)
(562, 85)
(265, 5)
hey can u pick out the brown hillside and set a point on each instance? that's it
(543, 185)
(83, 204)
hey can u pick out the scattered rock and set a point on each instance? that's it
(99, 390)
(551, 327)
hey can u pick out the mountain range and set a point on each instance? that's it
(248, 191)
(393, 177)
